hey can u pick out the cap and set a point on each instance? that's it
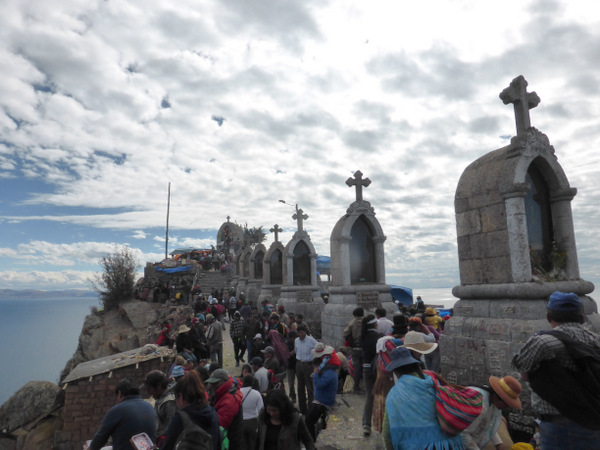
(218, 375)
(177, 372)
(561, 301)
(258, 336)
(268, 349)
(256, 361)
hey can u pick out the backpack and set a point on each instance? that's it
(193, 436)
(578, 397)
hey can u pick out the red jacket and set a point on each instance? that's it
(227, 402)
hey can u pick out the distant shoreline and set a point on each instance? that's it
(18, 294)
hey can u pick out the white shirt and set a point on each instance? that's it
(303, 348)
(262, 375)
(252, 402)
(384, 325)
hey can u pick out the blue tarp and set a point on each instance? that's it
(323, 263)
(403, 294)
(173, 269)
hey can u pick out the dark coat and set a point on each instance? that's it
(291, 437)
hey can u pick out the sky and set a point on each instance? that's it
(241, 104)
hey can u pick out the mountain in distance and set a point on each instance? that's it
(15, 294)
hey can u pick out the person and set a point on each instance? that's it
(190, 397)
(261, 374)
(276, 324)
(232, 306)
(227, 400)
(245, 311)
(237, 337)
(157, 385)
(198, 339)
(342, 354)
(418, 346)
(250, 329)
(420, 304)
(183, 343)
(283, 317)
(501, 394)
(351, 335)
(130, 416)
(214, 339)
(384, 380)
(368, 343)
(302, 349)
(280, 348)
(164, 338)
(291, 365)
(565, 400)
(270, 362)
(252, 404)
(325, 381)
(300, 321)
(410, 419)
(384, 325)
(258, 345)
(280, 427)
(431, 321)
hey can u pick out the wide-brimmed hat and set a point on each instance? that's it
(400, 357)
(416, 341)
(183, 329)
(321, 350)
(268, 349)
(218, 375)
(509, 389)
(430, 311)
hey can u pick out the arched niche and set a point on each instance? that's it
(273, 264)
(256, 262)
(301, 265)
(357, 250)
(362, 252)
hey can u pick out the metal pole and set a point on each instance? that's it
(167, 231)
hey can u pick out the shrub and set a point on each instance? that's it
(115, 285)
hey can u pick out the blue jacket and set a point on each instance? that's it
(325, 383)
(124, 420)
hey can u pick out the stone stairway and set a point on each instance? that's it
(217, 280)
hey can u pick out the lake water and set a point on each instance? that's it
(37, 338)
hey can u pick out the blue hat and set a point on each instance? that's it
(400, 356)
(177, 372)
(561, 301)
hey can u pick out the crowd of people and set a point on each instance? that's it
(288, 381)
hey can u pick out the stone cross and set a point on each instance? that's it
(516, 93)
(359, 183)
(228, 218)
(276, 230)
(300, 216)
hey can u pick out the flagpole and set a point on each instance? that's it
(167, 231)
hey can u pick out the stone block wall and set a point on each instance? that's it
(86, 402)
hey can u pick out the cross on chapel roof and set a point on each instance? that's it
(276, 230)
(228, 218)
(516, 93)
(300, 216)
(359, 183)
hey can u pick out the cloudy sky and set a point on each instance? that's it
(240, 104)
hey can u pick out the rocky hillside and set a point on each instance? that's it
(28, 419)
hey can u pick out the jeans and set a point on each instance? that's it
(568, 435)
(369, 377)
(304, 371)
(250, 430)
(249, 348)
(216, 354)
(238, 348)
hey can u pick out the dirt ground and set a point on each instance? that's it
(344, 429)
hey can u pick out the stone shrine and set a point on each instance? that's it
(299, 290)
(516, 246)
(272, 269)
(357, 266)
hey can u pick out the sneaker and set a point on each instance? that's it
(366, 430)
(243, 360)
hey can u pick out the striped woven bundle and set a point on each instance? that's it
(456, 406)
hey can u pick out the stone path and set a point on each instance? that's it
(344, 429)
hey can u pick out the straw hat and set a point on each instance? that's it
(321, 349)
(183, 328)
(414, 340)
(509, 389)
